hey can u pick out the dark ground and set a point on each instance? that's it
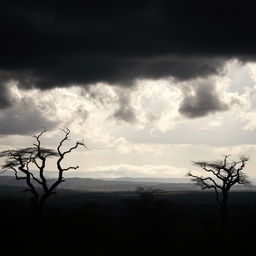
(128, 223)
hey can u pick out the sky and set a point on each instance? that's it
(149, 85)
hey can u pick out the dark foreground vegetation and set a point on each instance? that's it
(129, 223)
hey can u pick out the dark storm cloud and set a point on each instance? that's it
(81, 69)
(121, 99)
(24, 118)
(46, 44)
(58, 44)
(23, 124)
(201, 99)
(125, 111)
(5, 97)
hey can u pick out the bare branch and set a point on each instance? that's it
(70, 168)
(16, 175)
(66, 137)
(35, 162)
(78, 143)
(34, 178)
(37, 137)
(203, 181)
(225, 161)
(216, 166)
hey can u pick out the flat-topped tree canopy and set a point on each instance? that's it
(25, 155)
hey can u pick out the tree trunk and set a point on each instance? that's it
(224, 211)
(38, 225)
(41, 203)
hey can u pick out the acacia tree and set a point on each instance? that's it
(222, 175)
(20, 162)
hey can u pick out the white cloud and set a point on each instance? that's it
(252, 70)
(144, 171)
(250, 119)
(213, 124)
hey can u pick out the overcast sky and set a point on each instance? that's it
(149, 85)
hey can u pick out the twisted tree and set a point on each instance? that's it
(20, 162)
(222, 175)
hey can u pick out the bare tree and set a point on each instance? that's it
(222, 175)
(148, 194)
(20, 162)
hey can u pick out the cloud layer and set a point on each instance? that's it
(47, 45)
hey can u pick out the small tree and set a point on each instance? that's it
(20, 160)
(222, 176)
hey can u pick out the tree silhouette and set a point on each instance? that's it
(222, 176)
(20, 162)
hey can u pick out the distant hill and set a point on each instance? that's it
(121, 184)
(87, 184)
(154, 180)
